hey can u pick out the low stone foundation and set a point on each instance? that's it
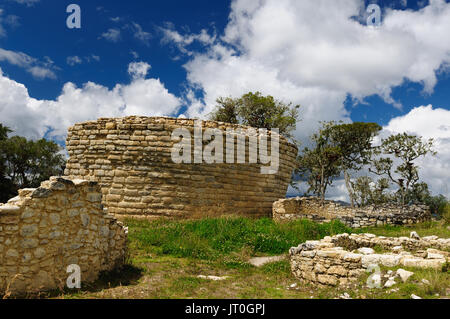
(44, 230)
(311, 208)
(342, 259)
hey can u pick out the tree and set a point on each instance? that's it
(26, 163)
(367, 192)
(321, 164)
(338, 148)
(355, 143)
(258, 111)
(6, 186)
(406, 149)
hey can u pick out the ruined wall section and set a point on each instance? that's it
(311, 208)
(44, 230)
(131, 159)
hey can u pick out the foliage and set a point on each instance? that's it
(7, 189)
(368, 192)
(355, 143)
(322, 163)
(405, 148)
(337, 148)
(25, 163)
(258, 111)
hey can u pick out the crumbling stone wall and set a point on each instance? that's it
(131, 159)
(342, 259)
(311, 208)
(44, 230)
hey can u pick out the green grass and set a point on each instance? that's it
(446, 213)
(423, 229)
(166, 257)
(213, 238)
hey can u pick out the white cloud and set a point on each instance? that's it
(10, 20)
(170, 35)
(34, 118)
(140, 34)
(28, 3)
(134, 54)
(73, 60)
(315, 53)
(138, 70)
(92, 57)
(41, 73)
(112, 35)
(38, 69)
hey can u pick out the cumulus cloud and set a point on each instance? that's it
(316, 54)
(138, 70)
(35, 118)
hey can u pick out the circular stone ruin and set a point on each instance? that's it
(132, 160)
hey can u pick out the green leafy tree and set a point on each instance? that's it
(26, 163)
(258, 111)
(6, 186)
(368, 192)
(322, 163)
(406, 149)
(355, 143)
(338, 149)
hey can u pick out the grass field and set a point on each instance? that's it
(167, 256)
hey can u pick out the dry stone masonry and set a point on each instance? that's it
(61, 223)
(342, 259)
(311, 208)
(131, 159)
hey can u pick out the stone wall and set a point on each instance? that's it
(44, 230)
(342, 259)
(311, 208)
(131, 159)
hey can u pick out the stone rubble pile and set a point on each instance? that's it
(342, 259)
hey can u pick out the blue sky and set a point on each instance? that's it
(175, 58)
(41, 32)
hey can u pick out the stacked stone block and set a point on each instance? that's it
(61, 223)
(131, 159)
(342, 259)
(311, 208)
